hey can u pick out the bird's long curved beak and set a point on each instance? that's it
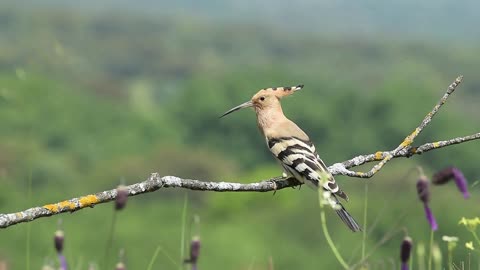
(247, 104)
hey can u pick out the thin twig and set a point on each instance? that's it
(155, 182)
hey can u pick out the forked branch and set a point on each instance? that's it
(156, 182)
(407, 142)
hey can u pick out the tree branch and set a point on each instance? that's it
(407, 142)
(155, 182)
(342, 167)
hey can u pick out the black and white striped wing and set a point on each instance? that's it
(300, 159)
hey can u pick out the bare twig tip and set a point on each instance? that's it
(457, 81)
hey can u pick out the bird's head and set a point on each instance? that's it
(266, 98)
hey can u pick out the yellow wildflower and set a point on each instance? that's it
(469, 245)
(470, 223)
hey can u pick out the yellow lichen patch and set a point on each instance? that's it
(436, 144)
(409, 139)
(66, 204)
(51, 207)
(406, 142)
(378, 155)
(88, 200)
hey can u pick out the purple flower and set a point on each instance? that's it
(430, 217)
(63, 261)
(449, 173)
(194, 252)
(443, 176)
(405, 250)
(58, 241)
(122, 197)
(423, 191)
(461, 182)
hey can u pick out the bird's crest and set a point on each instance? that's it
(281, 91)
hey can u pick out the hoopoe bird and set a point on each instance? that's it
(293, 149)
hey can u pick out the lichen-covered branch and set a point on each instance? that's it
(155, 181)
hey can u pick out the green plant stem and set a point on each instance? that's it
(410, 262)
(450, 258)
(476, 237)
(110, 240)
(154, 257)
(28, 248)
(421, 256)
(430, 251)
(365, 209)
(182, 237)
(469, 262)
(29, 197)
(327, 235)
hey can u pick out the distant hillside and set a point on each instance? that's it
(429, 19)
(186, 72)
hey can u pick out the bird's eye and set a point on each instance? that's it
(262, 98)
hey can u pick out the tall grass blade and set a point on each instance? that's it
(154, 257)
(182, 237)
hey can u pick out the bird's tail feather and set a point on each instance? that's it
(347, 218)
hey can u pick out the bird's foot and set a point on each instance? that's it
(274, 182)
(282, 182)
(297, 184)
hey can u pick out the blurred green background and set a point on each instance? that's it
(96, 94)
